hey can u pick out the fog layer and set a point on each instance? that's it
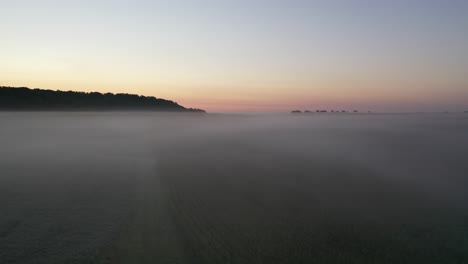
(189, 188)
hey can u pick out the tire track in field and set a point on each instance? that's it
(202, 239)
(207, 235)
(151, 236)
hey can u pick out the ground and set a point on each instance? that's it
(178, 188)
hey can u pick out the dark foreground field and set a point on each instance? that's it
(175, 188)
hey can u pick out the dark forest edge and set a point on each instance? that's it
(24, 99)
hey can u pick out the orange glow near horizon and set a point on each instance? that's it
(268, 100)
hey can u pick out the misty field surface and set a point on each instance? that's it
(141, 187)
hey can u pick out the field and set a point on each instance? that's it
(84, 187)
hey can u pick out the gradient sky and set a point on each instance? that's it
(245, 55)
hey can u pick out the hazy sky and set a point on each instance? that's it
(245, 55)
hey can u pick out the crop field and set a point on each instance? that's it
(182, 188)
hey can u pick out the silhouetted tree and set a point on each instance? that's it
(23, 98)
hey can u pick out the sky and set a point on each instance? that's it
(245, 55)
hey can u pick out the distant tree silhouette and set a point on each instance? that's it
(355, 111)
(296, 112)
(307, 111)
(23, 98)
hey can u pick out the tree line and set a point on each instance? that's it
(23, 98)
(324, 111)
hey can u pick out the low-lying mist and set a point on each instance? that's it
(204, 188)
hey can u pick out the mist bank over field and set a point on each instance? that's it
(105, 187)
(23, 98)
